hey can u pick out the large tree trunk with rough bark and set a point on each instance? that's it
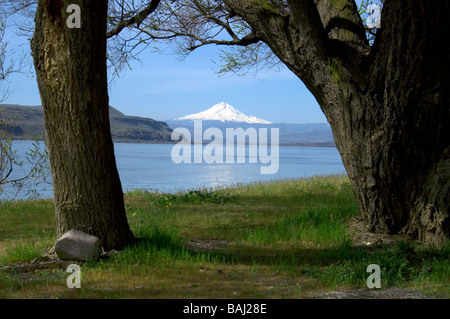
(409, 123)
(388, 104)
(71, 73)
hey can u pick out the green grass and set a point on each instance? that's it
(283, 239)
(27, 220)
(404, 265)
(157, 245)
(24, 252)
(316, 226)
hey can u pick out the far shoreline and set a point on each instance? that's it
(328, 144)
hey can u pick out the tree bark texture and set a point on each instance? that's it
(388, 104)
(71, 73)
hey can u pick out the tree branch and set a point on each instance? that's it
(342, 21)
(246, 40)
(137, 19)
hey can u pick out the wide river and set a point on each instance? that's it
(155, 167)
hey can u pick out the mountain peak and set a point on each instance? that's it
(224, 112)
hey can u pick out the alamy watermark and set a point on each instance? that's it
(374, 280)
(194, 150)
(74, 19)
(374, 16)
(373, 20)
(74, 279)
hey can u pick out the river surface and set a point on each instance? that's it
(159, 167)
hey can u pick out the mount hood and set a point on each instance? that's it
(224, 112)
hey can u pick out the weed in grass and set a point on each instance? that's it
(196, 197)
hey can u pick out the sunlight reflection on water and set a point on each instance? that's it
(149, 166)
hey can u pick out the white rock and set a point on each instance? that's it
(77, 245)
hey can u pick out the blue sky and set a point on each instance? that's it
(163, 87)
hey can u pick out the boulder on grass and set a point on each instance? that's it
(77, 245)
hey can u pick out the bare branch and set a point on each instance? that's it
(184, 25)
(134, 20)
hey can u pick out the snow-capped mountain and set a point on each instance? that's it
(224, 112)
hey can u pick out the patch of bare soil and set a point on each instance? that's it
(46, 269)
(362, 237)
(208, 244)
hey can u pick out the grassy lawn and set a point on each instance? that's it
(284, 239)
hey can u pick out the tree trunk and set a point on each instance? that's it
(71, 73)
(388, 104)
(406, 135)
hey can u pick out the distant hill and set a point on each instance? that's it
(314, 134)
(137, 129)
(29, 124)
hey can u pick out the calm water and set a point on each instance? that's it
(150, 166)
